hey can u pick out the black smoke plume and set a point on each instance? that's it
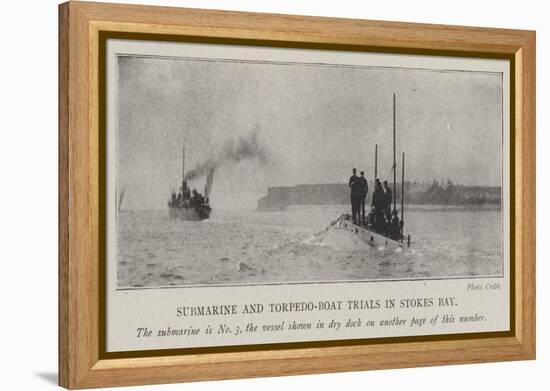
(247, 147)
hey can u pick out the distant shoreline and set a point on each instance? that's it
(345, 207)
(408, 207)
(446, 195)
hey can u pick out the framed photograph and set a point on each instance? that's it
(248, 195)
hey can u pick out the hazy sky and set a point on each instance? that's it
(316, 122)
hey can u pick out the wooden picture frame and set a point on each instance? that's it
(82, 27)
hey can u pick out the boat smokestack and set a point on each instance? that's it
(209, 181)
(183, 182)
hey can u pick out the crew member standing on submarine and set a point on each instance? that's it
(355, 186)
(364, 191)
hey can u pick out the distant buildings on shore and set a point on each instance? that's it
(425, 193)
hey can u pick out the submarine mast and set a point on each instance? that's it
(376, 161)
(394, 163)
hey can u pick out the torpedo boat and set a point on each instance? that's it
(187, 204)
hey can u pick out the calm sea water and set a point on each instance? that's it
(244, 247)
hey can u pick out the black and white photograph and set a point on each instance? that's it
(231, 171)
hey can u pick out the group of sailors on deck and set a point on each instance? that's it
(186, 198)
(381, 218)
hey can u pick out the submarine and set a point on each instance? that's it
(344, 233)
